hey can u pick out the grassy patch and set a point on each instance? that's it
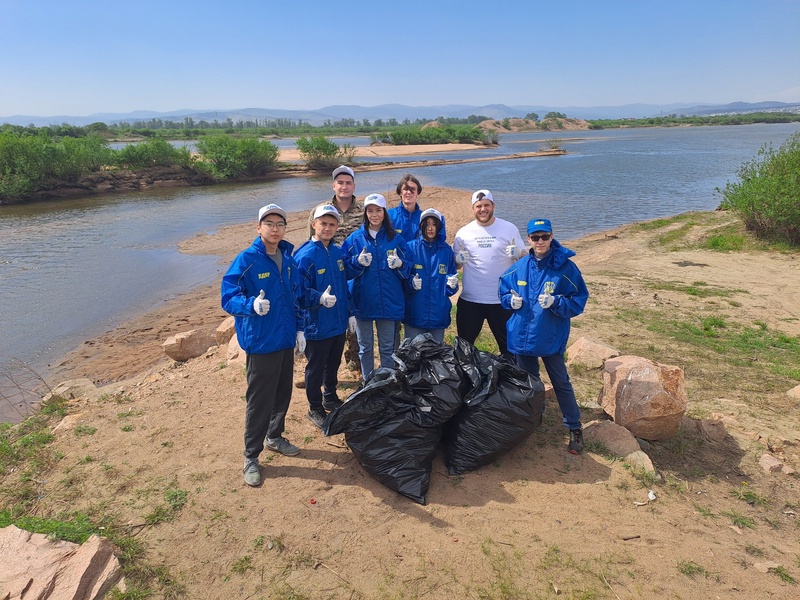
(691, 568)
(745, 493)
(740, 520)
(699, 289)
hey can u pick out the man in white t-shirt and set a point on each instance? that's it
(485, 248)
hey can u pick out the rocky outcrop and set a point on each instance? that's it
(225, 331)
(614, 438)
(235, 353)
(645, 397)
(189, 344)
(590, 354)
(33, 566)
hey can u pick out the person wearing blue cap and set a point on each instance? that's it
(545, 289)
(434, 280)
(260, 289)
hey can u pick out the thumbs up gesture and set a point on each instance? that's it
(416, 282)
(394, 261)
(365, 258)
(546, 300)
(261, 304)
(452, 281)
(327, 299)
(516, 300)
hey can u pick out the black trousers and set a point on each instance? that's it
(269, 390)
(471, 315)
(324, 358)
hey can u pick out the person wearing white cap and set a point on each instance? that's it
(484, 249)
(260, 290)
(382, 262)
(435, 279)
(351, 213)
(325, 300)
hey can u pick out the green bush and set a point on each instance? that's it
(766, 195)
(322, 154)
(231, 158)
(150, 153)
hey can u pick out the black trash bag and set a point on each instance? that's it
(385, 427)
(432, 372)
(503, 404)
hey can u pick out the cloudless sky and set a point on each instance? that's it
(78, 57)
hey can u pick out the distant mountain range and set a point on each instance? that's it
(401, 112)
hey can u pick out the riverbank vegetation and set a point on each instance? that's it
(674, 120)
(766, 195)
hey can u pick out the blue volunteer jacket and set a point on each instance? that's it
(430, 306)
(533, 330)
(377, 291)
(405, 224)
(252, 271)
(319, 268)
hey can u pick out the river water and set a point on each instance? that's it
(72, 269)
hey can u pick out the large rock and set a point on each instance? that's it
(794, 393)
(614, 438)
(33, 566)
(225, 331)
(74, 388)
(189, 344)
(235, 353)
(645, 397)
(590, 354)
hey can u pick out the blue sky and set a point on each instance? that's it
(78, 57)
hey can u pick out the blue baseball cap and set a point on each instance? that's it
(539, 225)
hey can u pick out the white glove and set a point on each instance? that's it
(352, 324)
(365, 258)
(452, 281)
(416, 282)
(261, 304)
(546, 300)
(513, 251)
(516, 300)
(394, 261)
(462, 256)
(300, 346)
(327, 299)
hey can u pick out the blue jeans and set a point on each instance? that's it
(412, 332)
(386, 335)
(557, 371)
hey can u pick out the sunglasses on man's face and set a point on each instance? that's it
(544, 237)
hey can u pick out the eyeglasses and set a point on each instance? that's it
(274, 225)
(544, 237)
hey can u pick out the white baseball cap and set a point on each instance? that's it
(271, 209)
(484, 195)
(343, 169)
(430, 212)
(375, 199)
(326, 209)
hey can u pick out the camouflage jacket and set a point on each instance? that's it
(351, 220)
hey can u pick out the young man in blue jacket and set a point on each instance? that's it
(326, 311)
(434, 281)
(545, 289)
(405, 217)
(260, 290)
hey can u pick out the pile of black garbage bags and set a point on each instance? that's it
(475, 404)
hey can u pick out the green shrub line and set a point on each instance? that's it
(766, 195)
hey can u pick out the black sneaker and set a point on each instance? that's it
(317, 416)
(331, 404)
(575, 441)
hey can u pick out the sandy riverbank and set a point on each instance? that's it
(538, 522)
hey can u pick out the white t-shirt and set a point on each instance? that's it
(488, 260)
